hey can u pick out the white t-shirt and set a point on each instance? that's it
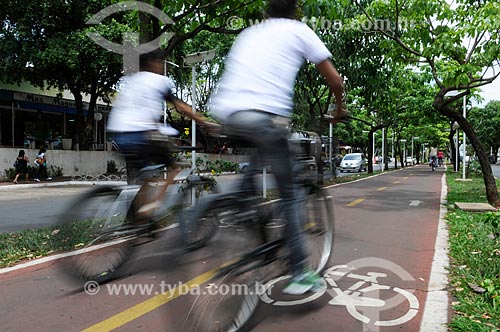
(262, 67)
(139, 105)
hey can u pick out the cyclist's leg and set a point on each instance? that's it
(272, 144)
(134, 147)
(131, 146)
(158, 154)
(247, 183)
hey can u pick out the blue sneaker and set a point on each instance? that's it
(308, 281)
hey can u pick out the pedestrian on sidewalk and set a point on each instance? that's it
(21, 165)
(41, 162)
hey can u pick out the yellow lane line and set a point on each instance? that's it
(396, 181)
(381, 188)
(405, 177)
(148, 305)
(355, 202)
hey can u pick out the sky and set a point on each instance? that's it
(490, 92)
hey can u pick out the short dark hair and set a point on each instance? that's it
(145, 59)
(282, 8)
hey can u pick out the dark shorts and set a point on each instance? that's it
(139, 151)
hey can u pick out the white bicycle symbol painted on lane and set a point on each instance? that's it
(360, 297)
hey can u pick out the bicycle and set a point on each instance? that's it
(249, 248)
(104, 227)
(434, 163)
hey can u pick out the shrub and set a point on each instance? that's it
(54, 171)
(111, 167)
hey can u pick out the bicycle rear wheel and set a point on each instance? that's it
(227, 301)
(95, 229)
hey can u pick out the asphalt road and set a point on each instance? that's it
(23, 207)
(385, 235)
(31, 207)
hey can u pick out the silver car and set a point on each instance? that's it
(353, 162)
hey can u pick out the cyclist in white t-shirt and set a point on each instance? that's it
(255, 95)
(136, 113)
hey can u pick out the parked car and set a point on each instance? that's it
(353, 162)
(410, 161)
(308, 162)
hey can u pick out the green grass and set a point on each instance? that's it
(35, 243)
(28, 244)
(474, 259)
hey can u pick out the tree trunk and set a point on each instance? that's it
(80, 118)
(384, 156)
(453, 149)
(489, 179)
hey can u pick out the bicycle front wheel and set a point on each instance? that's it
(228, 299)
(318, 228)
(317, 237)
(95, 230)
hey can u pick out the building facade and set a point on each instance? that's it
(35, 118)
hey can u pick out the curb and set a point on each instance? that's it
(62, 183)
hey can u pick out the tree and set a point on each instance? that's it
(487, 121)
(457, 44)
(358, 58)
(48, 45)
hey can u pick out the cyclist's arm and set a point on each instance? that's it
(185, 109)
(336, 83)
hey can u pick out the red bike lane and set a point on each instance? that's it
(378, 277)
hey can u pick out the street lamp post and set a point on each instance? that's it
(383, 146)
(331, 108)
(404, 151)
(457, 139)
(413, 138)
(193, 59)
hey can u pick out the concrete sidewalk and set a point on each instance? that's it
(55, 183)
